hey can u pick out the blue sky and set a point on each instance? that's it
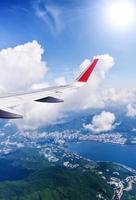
(70, 31)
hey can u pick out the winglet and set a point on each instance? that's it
(83, 78)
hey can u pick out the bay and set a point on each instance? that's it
(123, 154)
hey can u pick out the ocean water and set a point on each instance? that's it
(124, 154)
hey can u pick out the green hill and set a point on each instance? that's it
(56, 183)
(47, 182)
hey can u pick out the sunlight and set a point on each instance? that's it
(121, 14)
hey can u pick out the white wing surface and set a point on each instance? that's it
(45, 95)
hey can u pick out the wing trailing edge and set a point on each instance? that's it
(9, 114)
(45, 95)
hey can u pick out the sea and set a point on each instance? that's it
(123, 154)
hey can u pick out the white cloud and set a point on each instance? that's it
(40, 86)
(50, 14)
(118, 96)
(87, 97)
(60, 81)
(102, 123)
(38, 114)
(90, 96)
(21, 67)
(131, 110)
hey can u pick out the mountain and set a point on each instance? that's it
(26, 174)
(38, 165)
(43, 180)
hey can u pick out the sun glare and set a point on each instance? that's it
(121, 13)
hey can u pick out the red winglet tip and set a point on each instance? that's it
(86, 74)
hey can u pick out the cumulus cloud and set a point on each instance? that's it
(80, 99)
(90, 95)
(131, 110)
(117, 96)
(21, 67)
(102, 123)
(87, 97)
(38, 114)
(60, 81)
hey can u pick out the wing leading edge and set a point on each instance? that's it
(45, 95)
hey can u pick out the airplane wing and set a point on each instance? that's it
(45, 95)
